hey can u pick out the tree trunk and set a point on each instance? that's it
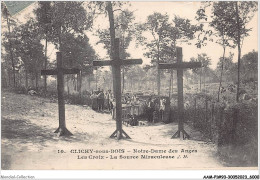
(172, 83)
(204, 79)
(36, 81)
(158, 72)
(96, 80)
(239, 52)
(89, 83)
(32, 85)
(20, 78)
(131, 84)
(153, 87)
(200, 79)
(11, 50)
(79, 83)
(68, 86)
(139, 85)
(75, 83)
(45, 64)
(123, 80)
(26, 79)
(112, 32)
(9, 78)
(170, 87)
(4, 81)
(221, 73)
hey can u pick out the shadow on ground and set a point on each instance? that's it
(22, 132)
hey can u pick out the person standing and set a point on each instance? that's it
(100, 99)
(93, 98)
(150, 110)
(102, 96)
(109, 100)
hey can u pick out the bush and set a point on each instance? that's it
(239, 124)
(232, 126)
(83, 99)
(18, 90)
(173, 114)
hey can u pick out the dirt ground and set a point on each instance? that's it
(29, 142)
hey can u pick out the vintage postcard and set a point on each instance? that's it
(129, 85)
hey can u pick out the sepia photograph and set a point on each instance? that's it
(129, 85)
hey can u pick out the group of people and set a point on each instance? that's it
(155, 109)
(101, 100)
(130, 99)
(105, 101)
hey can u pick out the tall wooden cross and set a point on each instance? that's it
(117, 63)
(180, 65)
(60, 71)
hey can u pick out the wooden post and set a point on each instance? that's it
(212, 119)
(206, 109)
(116, 66)
(60, 84)
(195, 112)
(118, 94)
(180, 65)
(234, 125)
(180, 94)
(60, 71)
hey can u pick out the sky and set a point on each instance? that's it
(182, 9)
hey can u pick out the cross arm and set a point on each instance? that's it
(71, 71)
(49, 72)
(132, 61)
(182, 65)
(55, 71)
(116, 62)
(102, 63)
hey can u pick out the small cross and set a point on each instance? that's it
(60, 71)
(180, 65)
(117, 63)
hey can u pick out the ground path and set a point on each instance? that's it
(28, 141)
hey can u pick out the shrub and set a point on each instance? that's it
(83, 99)
(232, 126)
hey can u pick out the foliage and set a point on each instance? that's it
(205, 61)
(135, 73)
(64, 24)
(121, 22)
(229, 68)
(223, 20)
(237, 130)
(8, 38)
(249, 66)
(157, 25)
(230, 20)
(77, 52)
(43, 12)
(29, 47)
(124, 29)
(231, 126)
(62, 18)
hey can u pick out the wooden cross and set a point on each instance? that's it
(116, 64)
(60, 71)
(180, 65)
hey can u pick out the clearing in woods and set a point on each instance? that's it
(29, 142)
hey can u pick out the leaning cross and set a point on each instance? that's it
(60, 71)
(117, 63)
(180, 65)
